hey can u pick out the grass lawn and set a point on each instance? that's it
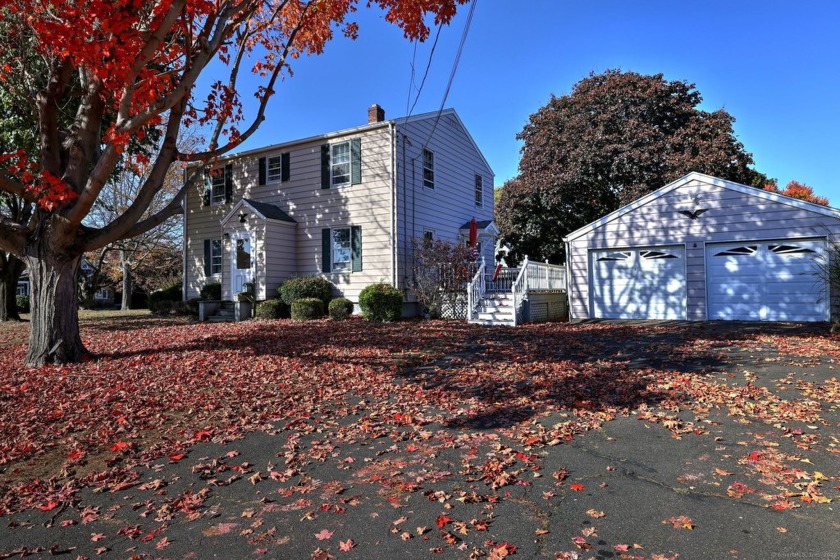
(321, 439)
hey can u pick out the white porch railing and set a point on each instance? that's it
(475, 291)
(519, 282)
(520, 293)
(546, 277)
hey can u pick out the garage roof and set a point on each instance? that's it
(709, 180)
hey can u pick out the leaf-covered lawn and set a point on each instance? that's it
(395, 419)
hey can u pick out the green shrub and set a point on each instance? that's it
(307, 308)
(162, 301)
(192, 305)
(211, 291)
(180, 308)
(306, 287)
(381, 302)
(22, 304)
(272, 309)
(340, 308)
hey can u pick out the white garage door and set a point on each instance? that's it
(640, 283)
(766, 281)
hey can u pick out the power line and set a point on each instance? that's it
(454, 69)
(408, 110)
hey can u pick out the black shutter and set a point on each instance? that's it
(355, 161)
(208, 186)
(262, 171)
(356, 247)
(208, 258)
(228, 182)
(285, 166)
(326, 253)
(325, 166)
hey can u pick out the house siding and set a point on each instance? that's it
(313, 208)
(451, 203)
(732, 216)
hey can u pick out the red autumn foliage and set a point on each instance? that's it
(427, 389)
(795, 189)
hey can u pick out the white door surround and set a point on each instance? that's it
(242, 262)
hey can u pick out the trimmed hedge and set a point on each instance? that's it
(299, 287)
(272, 309)
(304, 309)
(192, 305)
(162, 301)
(211, 291)
(340, 308)
(22, 303)
(381, 302)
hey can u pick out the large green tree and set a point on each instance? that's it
(616, 137)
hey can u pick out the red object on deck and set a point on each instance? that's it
(498, 270)
(473, 232)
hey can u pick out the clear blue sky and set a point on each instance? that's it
(774, 65)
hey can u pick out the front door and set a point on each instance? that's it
(242, 265)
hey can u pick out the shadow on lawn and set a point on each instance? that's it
(508, 375)
(515, 374)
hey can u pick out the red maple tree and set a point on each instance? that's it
(795, 189)
(133, 65)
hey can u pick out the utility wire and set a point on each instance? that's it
(454, 69)
(425, 74)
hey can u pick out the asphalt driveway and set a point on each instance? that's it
(598, 440)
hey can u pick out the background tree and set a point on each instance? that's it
(616, 137)
(16, 131)
(798, 190)
(132, 66)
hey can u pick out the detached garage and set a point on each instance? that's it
(704, 248)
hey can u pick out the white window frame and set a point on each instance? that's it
(22, 290)
(217, 186)
(429, 234)
(428, 169)
(335, 165)
(344, 265)
(101, 293)
(274, 169)
(216, 258)
(478, 191)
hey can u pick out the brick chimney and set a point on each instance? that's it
(376, 114)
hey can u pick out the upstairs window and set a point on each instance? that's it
(217, 187)
(274, 168)
(340, 164)
(428, 169)
(479, 191)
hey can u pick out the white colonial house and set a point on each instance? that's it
(344, 205)
(702, 248)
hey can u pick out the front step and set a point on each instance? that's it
(495, 309)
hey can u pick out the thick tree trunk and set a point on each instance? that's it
(12, 268)
(54, 335)
(127, 284)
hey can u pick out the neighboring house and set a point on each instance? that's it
(85, 272)
(343, 205)
(704, 248)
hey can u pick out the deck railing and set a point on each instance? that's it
(546, 277)
(520, 293)
(475, 291)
